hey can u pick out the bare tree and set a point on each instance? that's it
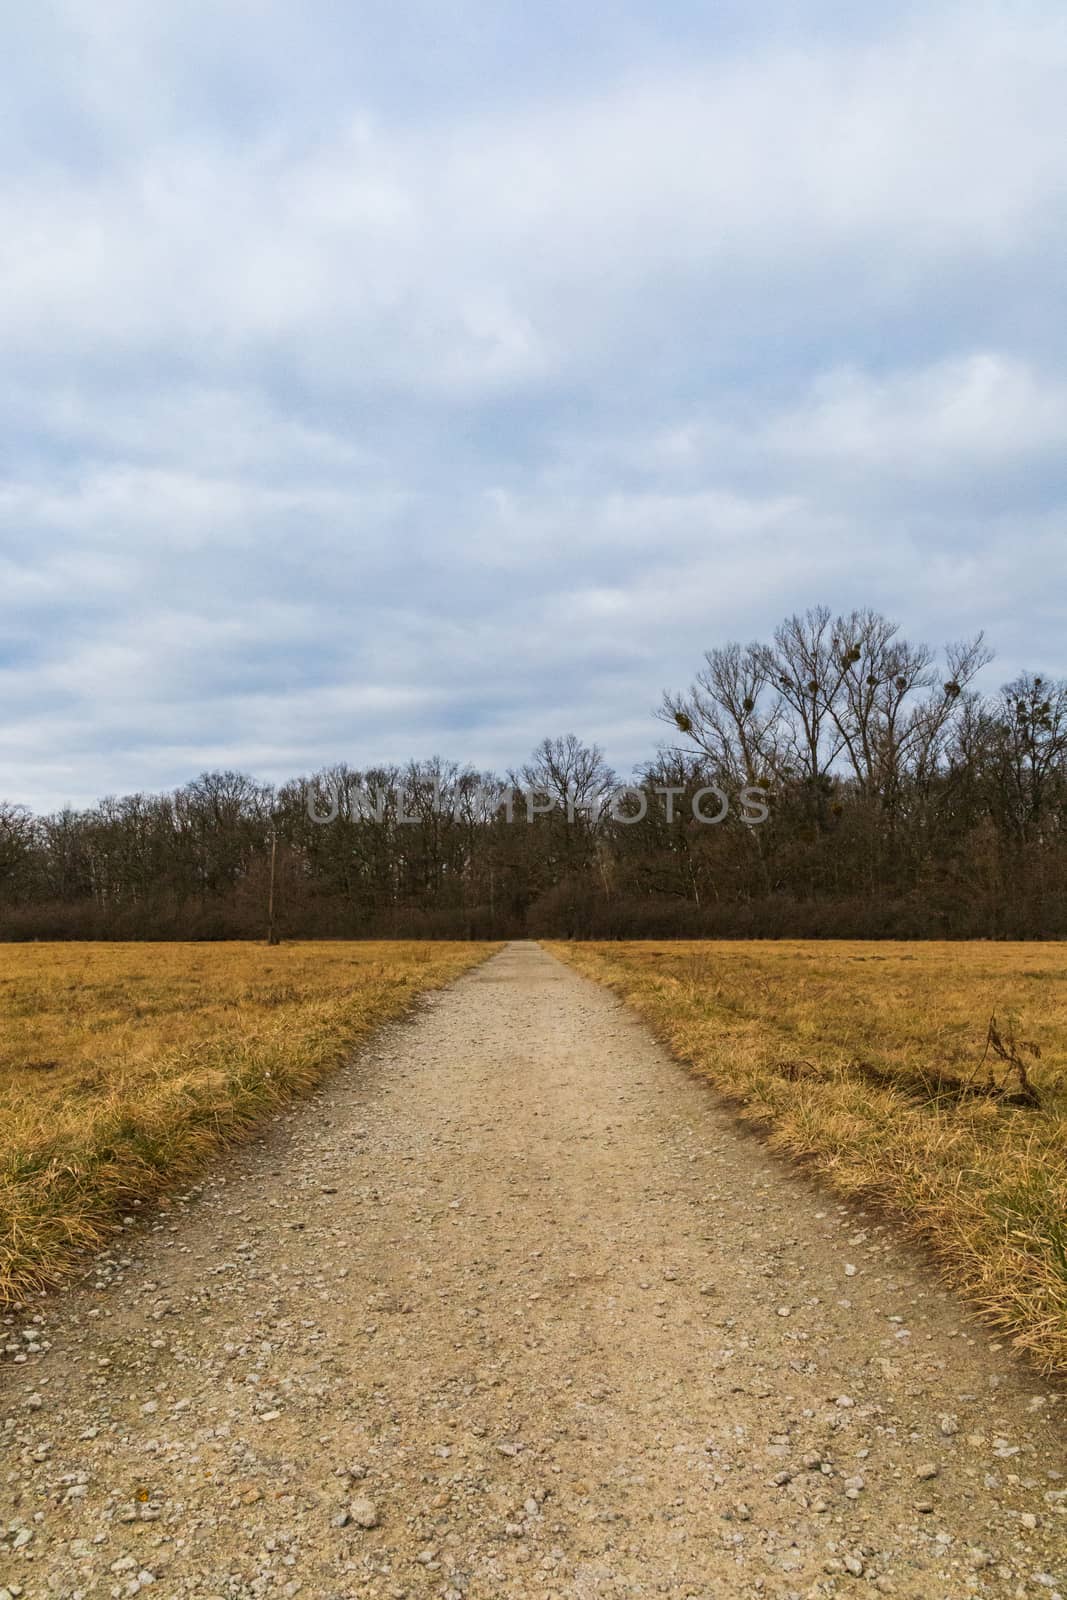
(16, 847)
(573, 776)
(887, 733)
(732, 714)
(1032, 730)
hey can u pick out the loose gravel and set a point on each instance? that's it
(511, 1307)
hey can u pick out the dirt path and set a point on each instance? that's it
(513, 1288)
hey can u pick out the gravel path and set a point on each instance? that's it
(511, 1308)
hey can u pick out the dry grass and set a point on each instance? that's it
(123, 1065)
(852, 1056)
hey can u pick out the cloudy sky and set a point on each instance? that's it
(428, 377)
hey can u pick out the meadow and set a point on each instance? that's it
(123, 1065)
(880, 1065)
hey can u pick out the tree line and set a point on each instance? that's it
(899, 802)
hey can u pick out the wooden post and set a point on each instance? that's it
(272, 932)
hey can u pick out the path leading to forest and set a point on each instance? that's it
(511, 1308)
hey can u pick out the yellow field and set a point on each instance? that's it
(867, 1060)
(121, 1065)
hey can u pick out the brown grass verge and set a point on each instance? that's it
(860, 1058)
(122, 1066)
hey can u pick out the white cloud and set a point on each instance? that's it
(977, 415)
(504, 247)
(972, 412)
(358, 426)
